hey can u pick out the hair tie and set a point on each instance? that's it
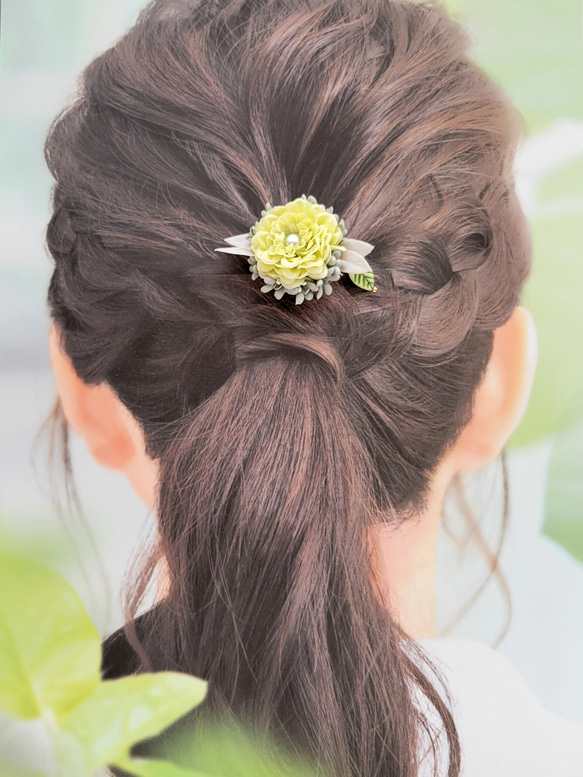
(300, 248)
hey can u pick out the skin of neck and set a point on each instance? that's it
(403, 561)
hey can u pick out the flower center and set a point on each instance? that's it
(292, 239)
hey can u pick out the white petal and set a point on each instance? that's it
(360, 246)
(242, 251)
(354, 262)
(239, 240)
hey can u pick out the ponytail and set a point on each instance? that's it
(264, 504)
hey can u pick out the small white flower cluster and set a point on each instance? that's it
(309, 288)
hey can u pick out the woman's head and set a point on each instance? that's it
(283, 432)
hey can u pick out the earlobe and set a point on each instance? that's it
(93, 411)
(501, 398)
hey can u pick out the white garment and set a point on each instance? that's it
(545, 638)
(504, 730)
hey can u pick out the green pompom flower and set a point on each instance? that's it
(295, 242)
(300, 248)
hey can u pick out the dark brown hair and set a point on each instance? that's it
(284, 432)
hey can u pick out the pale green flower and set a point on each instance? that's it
(294, 242)
(299, 248)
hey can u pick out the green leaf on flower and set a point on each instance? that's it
(50, 651)
(122, 712)
(363, 280)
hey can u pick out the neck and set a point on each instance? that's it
(404, 560)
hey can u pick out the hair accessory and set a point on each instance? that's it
(300, 248)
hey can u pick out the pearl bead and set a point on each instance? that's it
(293, 238)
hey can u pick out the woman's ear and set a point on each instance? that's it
(91, 410)
(112, 435)
(502, 395)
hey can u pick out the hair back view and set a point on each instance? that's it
(283, 432)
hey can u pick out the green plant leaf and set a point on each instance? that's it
(71, 755)
(364, 280)
(231, 749)
(12, 770)
(50, 651)
(122, 712)
(148, 768)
